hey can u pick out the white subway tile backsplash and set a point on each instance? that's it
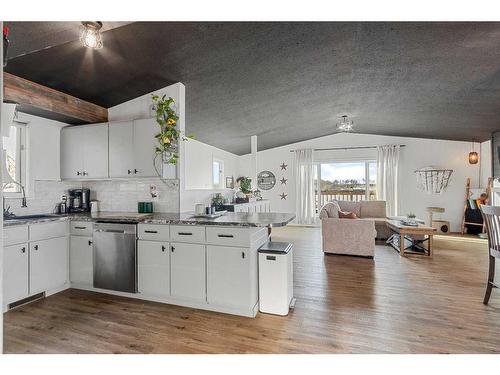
(118, 196)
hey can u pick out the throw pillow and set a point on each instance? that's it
(329, 210)
(347, 215)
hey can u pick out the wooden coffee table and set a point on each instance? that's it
(407, 231)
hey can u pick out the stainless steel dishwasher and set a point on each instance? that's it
(115, 256)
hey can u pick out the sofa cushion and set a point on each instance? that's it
(350, 207)
(373, 209)
(329, 210)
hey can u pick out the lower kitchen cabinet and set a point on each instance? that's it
(153, 261)
(48, 264)
(188, 271)
(15, 273)
(80, 260)
(232, 277)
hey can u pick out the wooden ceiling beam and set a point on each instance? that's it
(22, 91)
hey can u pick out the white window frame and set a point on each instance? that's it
(21, 160)
(367, 172)
(220, 185)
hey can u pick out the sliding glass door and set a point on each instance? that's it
(351, 181)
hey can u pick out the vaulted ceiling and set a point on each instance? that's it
(284, 82)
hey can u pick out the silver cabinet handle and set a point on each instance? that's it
(225, 235)
(23, 250)
(136, 171)
(150, 231)
(85, 173)
(90, 243)
(78, 173)
(129, 171)
(80, 227)
(242, 255)
(35, 247)
(184, 233)
(163, 248)
(172, 248)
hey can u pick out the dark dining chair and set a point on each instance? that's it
(491, 218)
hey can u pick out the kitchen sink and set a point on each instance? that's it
(31, 217)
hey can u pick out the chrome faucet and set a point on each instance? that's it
(6, 212)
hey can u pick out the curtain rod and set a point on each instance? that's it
(345, 148)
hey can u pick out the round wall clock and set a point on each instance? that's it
(266, 180)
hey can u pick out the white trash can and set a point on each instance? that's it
(275, 277)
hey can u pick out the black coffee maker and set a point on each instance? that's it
(79, 200)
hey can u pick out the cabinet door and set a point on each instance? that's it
(80, 260)
(187, 271)
(95, 156)
(121, 149)
(15, 273)
(153, 268)
(144, 148)
(72, 152)
(231, 277)
(48, 264)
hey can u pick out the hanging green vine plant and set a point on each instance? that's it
(169, 135)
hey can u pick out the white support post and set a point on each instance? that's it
(253, 170)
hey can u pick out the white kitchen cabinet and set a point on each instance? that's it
(95, 156)
(80, 260)
(84, 151)
(72, 152)
(145, 144)
(48, 264)
(15, 273)
(132, 148)
(153, 268)
(232, 277)
(121, 146)
(188, 271)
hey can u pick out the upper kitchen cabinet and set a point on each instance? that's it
(84, 152)
(121, 145)
(132, 148)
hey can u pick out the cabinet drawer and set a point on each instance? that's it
(230, 236)
(187, 233)
(81, 228)
(15, 235)
(48, 230)
(153, 232)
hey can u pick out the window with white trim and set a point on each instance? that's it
(15, 147)
(217, 173)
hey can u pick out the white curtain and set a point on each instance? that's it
(305, 211)
(387, 177)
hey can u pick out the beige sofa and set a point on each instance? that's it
(353, 236)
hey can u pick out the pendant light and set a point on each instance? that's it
(91, 34)
(473, 155)
(345, 125)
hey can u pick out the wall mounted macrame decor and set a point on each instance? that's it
(433, 180)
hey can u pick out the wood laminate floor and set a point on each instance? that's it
(344, 305)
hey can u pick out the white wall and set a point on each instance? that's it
(486, 165)
(197, 184)
(417, 153)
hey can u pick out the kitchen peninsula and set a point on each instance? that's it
(209, 264)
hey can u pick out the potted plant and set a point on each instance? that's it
(412, 218)
(169, 135)
(246, 186)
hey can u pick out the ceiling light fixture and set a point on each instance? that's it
(91, 34)
(345, 125)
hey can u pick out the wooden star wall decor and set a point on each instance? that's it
(283, 166)
(283, 196)
(283, 181)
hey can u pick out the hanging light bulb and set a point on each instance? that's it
(91, 34)
(473, 156)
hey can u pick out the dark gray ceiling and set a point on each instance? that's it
(287, 82)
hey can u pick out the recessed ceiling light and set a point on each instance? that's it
(91, 34)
